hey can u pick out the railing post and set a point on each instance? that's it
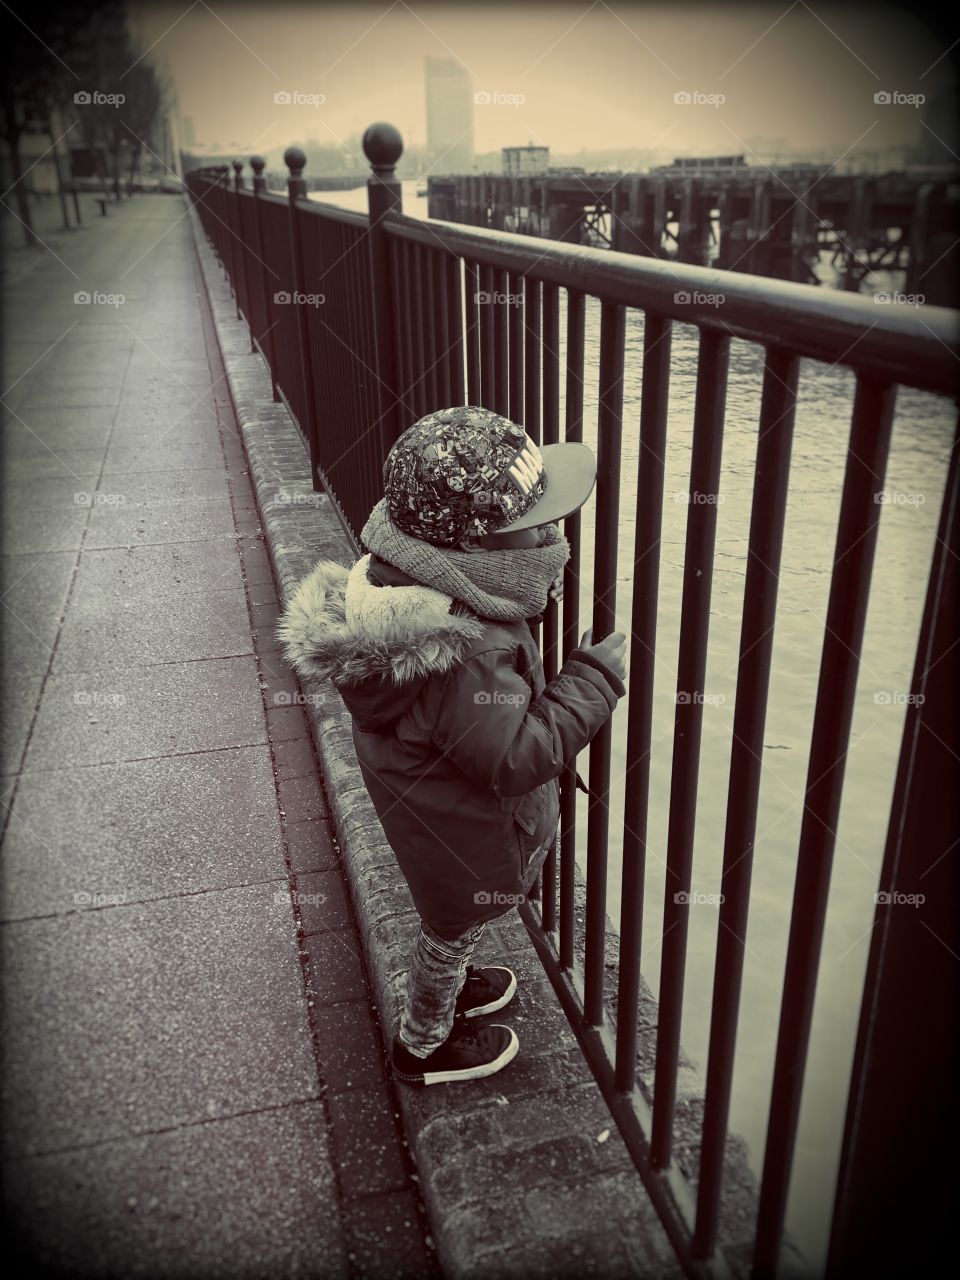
(267, 346)
(297, 190)
(240, 243)
(383, 146)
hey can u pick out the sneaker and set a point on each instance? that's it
(465, 1055)
(486, 990)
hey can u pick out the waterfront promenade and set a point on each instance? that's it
(203, 932)
(193, 1079)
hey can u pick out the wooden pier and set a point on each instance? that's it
(770, 222)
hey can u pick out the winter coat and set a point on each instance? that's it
(460, 742)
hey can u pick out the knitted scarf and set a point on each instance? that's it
(503, 585)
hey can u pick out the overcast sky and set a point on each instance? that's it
(590, 74)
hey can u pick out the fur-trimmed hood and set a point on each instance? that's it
(379, 644)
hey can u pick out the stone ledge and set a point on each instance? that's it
(524, 1231)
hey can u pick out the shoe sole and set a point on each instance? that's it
(494, 1005)
(478, 1072)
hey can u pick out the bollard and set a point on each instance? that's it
(238, 175)
(297, 190)
(383, 146)
(267, 347)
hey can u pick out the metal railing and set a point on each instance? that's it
(401, 332)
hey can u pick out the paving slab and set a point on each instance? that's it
(254, 1191)
(174, 568)
(120, 524)
(33, 589)
(125, 1019)
(78, 830)
(105, 715)
(167, 451)
(18, 699)
(156, 604)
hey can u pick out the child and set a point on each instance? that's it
(459, 741)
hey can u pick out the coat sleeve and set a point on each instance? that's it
(505, 740)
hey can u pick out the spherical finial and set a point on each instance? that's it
(383, 146)
(257, 164)
(238, 167)
(294, 159)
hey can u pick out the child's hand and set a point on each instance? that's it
(611, 651)
(555, 591)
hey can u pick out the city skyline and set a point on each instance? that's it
(572, 78)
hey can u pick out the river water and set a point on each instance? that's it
(922, 436)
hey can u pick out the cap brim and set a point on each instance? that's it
(570, 472)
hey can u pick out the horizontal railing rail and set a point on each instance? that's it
(420, 315)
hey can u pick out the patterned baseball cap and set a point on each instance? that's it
(467, 471)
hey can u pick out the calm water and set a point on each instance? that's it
(922, 437)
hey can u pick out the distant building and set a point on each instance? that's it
(703, 164)
(449, 88)
(519, 162)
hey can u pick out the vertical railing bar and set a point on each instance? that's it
(377, 395)
(571, 627)
(431, 352)
(609, 428)
(657, 335)
(515, 312)
(501, 376)
(708, 422)
(420, 332)
(455, 334)
(487, 346)
(472, 287)
(444, 329)
(407, 328)
(533, 359)
(771, 479)
(860, 510)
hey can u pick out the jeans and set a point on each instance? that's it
(438, 970)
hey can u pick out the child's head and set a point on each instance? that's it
(467, 478)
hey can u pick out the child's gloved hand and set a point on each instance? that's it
(610, 651)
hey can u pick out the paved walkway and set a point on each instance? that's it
(182, 1095)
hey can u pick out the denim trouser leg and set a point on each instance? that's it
(438, 970)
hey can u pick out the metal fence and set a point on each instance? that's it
(402, 331)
